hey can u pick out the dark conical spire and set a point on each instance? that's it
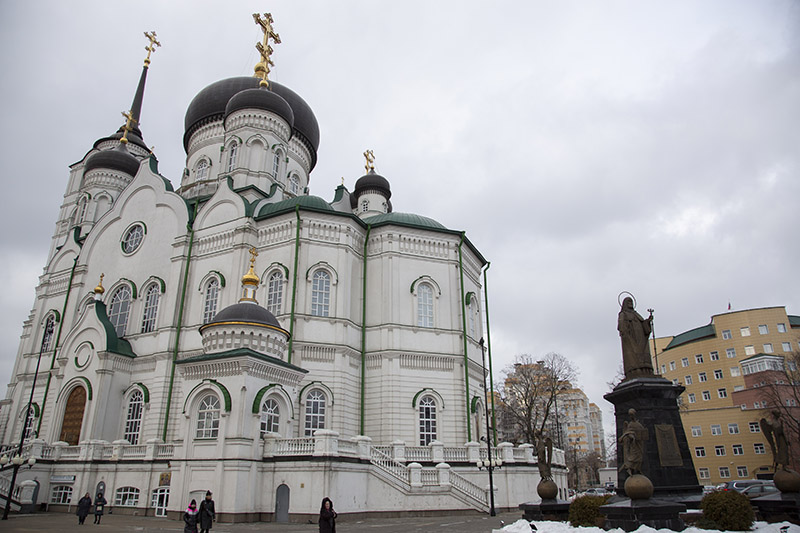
(136, 105)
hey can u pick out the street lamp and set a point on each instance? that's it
(490, 464)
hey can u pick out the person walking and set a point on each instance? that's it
(190, 518)
(327, 517)
(84, 505)
(207, 513)
(99, 504)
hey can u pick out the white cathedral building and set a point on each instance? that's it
(240, 335)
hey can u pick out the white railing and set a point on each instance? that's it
(390, 466)
(469, 488)
(133, 452)
(108, 452)
(165, 451)
(519, 454)
(348, 447)
(484, 455)
(70, 452)
(47, 452)
(301, 446)
(430, 476)
(455, 455)
(418, 453)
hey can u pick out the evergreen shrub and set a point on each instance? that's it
(585, 510)
(726, 510)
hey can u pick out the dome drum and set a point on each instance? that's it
(119, 159)
(225, 337)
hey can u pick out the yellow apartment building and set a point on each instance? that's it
(726, 441)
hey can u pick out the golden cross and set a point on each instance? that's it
(152, 37)
(253, 255)
(370, 160)
(343, 180)
(262, 67)
(129, 119)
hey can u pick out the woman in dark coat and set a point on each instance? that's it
(327, 517)
(190, 518)
(99, 504)
(207, 513)
(84, 504)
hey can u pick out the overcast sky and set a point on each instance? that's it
(585, 147)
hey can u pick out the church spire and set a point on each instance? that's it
(264, 48)
(250, 280)
(136, 105)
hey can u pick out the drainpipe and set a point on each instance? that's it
(58, 338)
(489, 345)
(190, 227)
(364, 329)
(464, 333)
(294, 282)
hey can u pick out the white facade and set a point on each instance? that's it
(377, 314)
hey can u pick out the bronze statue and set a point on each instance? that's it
(633, 437)
(544, 455)
(773, 431)
(634, 332)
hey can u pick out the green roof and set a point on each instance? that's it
(312, 203)
(404, 219)
(238, 352)
(794, 321)
(692, 335)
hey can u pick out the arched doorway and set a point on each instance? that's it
(73, 416)
(282, 504)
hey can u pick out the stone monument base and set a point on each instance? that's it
(778, 507)
(553, 510)
(628, 515)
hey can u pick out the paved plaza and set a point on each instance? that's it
(68, 523)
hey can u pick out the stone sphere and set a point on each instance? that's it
(787, 481)
(638, 487)
(547, 489)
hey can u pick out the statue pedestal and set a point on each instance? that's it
(667, 457)
(553, 510)
(778, 507)
(628, 514)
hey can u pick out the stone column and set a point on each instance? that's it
(37, 445)
(473, 452)
(527, 449)
(117, 449)
(326, 442)
(444, 474)
(415, 474)
(399, 451)
(437, 451)
(58, 447)
(150, 449)
(270, 442)
(505, 451)
(364, 443)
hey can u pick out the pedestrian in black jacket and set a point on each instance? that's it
(207, 513)
(190, 518)
(84, 506)
(99, 504)
(327, 517)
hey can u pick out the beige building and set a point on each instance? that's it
(725, 437)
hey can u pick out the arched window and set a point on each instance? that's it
(276, 163)
(315, 412)
(472, 311)
(150, 309)
(127, 497)
(82, 204)
(275, 292)
(294, 184)
(201, 171)
(424, 305)
(28, 427)
(233, 149)
(119, 309)
(208, 418)
(61, 494)
(364, 206)
(212, 295)
(47, 336)
(321, 293)
(133, 421)
(270, 417)
(427, 420)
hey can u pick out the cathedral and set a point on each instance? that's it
(227, 330)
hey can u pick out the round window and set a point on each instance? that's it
(133, 238)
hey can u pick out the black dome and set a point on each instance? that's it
(261, 98)
(209, 104)
(373, 181)
(246, 312)
(119, 159)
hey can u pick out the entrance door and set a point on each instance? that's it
(73, 416)
(282, 504)
(161, 500)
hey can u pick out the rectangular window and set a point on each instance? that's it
(700, 451)
(781, 328)
(687, 380)
(706, 395)
(726, 334)
(663, 369)
(730, 352)
(733, 428)
(716, 429)
(698, 358)
(786, 346)
(763, 329)
(738, 449)
(61, 494)
(697, 431)
(737, 388)
(768, 347)
(722, 393)
(714, 356)
(719, 450)
(701, 377)
(745, 331)
(741, 471)
(735, 371)
(692, 398)
(703, 472)
(724, 472)
(672, 365)
(749, 350)
(758, 447)
(754, 427)
(685, 361)
(717, 374)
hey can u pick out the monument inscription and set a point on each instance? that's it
(668, 452)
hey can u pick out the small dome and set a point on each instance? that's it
(245, 312)
(404, 219)
(309, 202)
(373, 181)
(119, 159)
(261, 98)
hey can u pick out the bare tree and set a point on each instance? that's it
(781, 391)
(529, 391)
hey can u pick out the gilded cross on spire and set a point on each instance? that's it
(264, 48)
(370, 157)
(150, 48)
(253, 255)
(129, 122)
